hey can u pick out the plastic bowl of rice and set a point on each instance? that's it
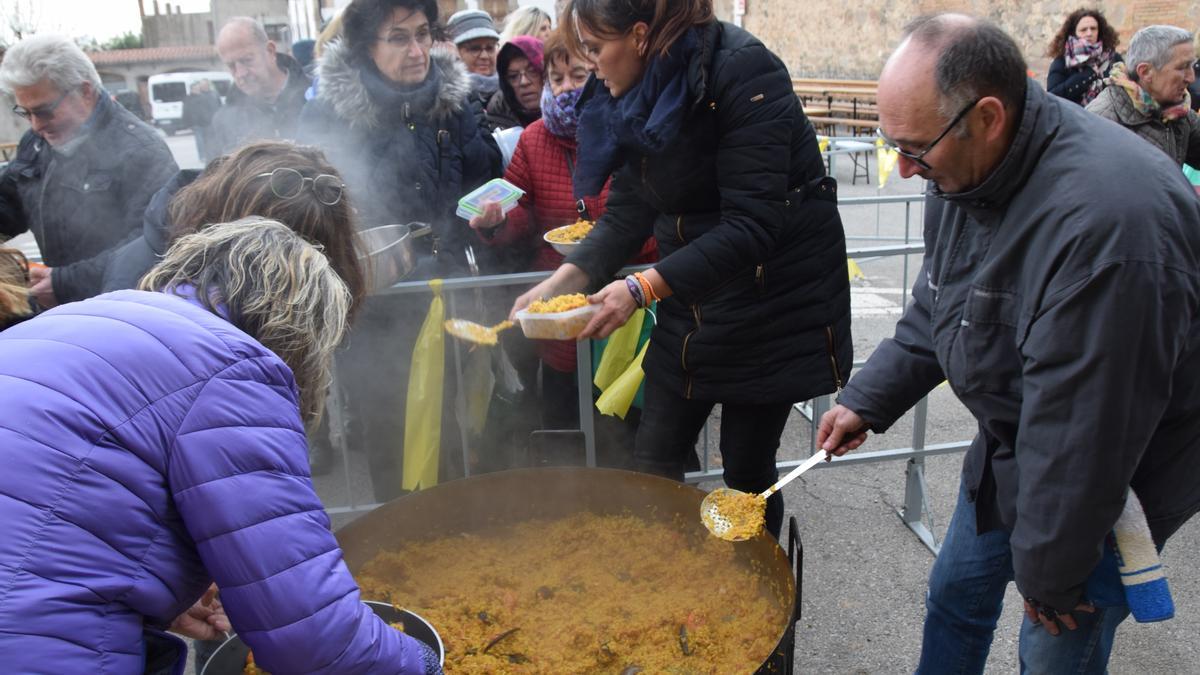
(564, 239)
(562, 317)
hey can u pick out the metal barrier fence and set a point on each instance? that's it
(914, 512)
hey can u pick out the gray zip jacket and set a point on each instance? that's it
(1061, 300)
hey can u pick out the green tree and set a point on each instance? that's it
(129, 40)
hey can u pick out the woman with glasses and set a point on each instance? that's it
(397, 122)
(153, 444)
(519, 101)
(709, 152)
(1084, 51)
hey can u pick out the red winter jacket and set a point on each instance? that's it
(539, 167)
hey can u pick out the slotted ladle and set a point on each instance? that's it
(734, 515)
(475, 333)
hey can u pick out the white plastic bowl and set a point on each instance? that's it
(564, 249)
(558, 325)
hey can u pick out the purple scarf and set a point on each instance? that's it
(559, 113)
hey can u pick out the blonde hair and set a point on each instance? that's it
(271, 283)
(523, 21)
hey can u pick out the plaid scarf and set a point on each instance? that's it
(1143, 102)
(1092, 54)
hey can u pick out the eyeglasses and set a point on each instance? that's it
(403, 41)
(918, 157)
(476, 50)
(44, 112)
(529, 74)
(289, 183)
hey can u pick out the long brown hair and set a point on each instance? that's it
(1108, 36)
(232, 188)
(667, 19)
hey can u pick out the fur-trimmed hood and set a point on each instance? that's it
(342, 88)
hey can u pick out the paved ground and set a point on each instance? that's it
(865, 573)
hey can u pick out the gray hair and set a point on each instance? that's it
(975, 59)
(47, 57)
(247, 23)
(523, 21)
(1153, 45)
(270, 283)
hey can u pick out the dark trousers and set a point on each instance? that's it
(750, 434)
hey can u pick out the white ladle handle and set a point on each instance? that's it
(816, 459)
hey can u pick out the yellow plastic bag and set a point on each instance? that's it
(618, 396)
(423, 409)
(885, 161)
(619, 352)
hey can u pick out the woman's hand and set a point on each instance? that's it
(566, 279)
(205, 620)
(491, 217)
(616, 306)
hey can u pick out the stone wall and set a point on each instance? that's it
(852, 39)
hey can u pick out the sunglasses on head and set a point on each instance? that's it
(289, 183)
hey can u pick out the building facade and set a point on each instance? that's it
(853, 39)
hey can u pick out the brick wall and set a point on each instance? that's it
(852, 38)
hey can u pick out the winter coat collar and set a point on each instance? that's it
(343, 89)
(1040, 119)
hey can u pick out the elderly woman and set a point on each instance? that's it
(396, 121)
(1084, 51)
(154, 444)
(519, 101)
(710, 153)
(1151, 99)
(398, 124)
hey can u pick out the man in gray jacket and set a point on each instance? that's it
(1060, 298)
(83, 173)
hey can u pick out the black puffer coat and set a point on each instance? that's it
(749, 235)
(400, 165)
(81, 207)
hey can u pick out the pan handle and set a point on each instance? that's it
(416, 230)
(795, 553)
(796, 559)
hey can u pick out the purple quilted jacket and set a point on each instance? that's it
(147, 448)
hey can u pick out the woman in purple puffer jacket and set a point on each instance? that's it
(153, 443)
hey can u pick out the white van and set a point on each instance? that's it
(168, 90)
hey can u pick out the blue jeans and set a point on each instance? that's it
(966, 595)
